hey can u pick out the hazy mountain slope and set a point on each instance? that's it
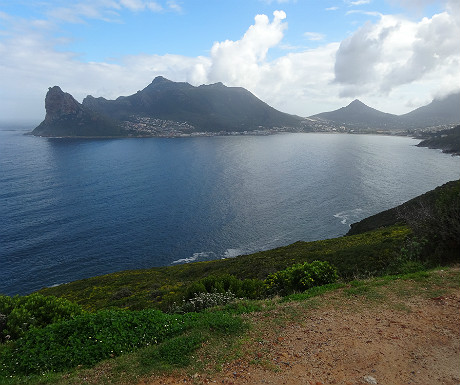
(438, 112)
(359, 114)
(442, 111)
(212, 107)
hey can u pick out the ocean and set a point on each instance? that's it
(76, 208)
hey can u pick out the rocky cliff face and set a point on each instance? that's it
(59, 104)
(66, 117)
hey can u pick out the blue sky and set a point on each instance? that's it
(300, 56)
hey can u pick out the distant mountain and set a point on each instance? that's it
(438, 112)
(164, 107)
(357, 115)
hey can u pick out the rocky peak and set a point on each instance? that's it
(357, 104)
(59, 103)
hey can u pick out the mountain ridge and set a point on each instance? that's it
(67, 117)
(357, 115)
(165, 108)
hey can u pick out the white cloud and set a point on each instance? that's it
(382, 57)
(242, 61)
(107, 10)
(358, 2)
(315, 36)
(173, 5)
(361, 12)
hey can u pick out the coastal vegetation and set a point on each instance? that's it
(446, 140)
(157, 319)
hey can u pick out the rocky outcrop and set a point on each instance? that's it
(59, 104)
(65, 117)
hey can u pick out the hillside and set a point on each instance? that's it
(439, 112)
(395, 215)
(388, 330)
(446, 140)
(377, 331)
(164, 108)
(358, 116)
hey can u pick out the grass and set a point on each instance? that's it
(213, 340)
(354, 256)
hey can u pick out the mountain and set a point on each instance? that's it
(163, 108)
(360, 115)
(66, 117)
(440, 111)
(357, 115)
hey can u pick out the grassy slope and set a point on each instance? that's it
(393, 216)
(273, 315)
(357, 255)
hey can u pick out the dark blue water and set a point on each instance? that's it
(74, 208)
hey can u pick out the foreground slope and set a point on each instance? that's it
(372, 332)
(395, 215)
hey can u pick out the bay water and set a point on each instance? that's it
(76, 208)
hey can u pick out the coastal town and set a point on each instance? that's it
(144, 126)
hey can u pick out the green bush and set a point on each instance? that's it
(202, 301)
(177, 350)
(91, 337)
(301, 277)
(247, 288)
(34, 310)
(436, 222)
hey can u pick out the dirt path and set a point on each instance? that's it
(414, 341)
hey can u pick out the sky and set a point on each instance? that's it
(300, 56)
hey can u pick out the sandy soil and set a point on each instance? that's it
(416, 342)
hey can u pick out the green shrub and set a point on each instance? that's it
(177, 350)
(89, 338)
(300, 277)
(217, 322)
(202, 301)
(92, 337)
(247, 288)
(437, 221)
(34, 310)
(411, 257)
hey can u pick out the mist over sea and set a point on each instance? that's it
(75, 208)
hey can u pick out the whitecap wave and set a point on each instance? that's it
(204, 255)
(58, 284)
(348, 215)
(232, 253)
